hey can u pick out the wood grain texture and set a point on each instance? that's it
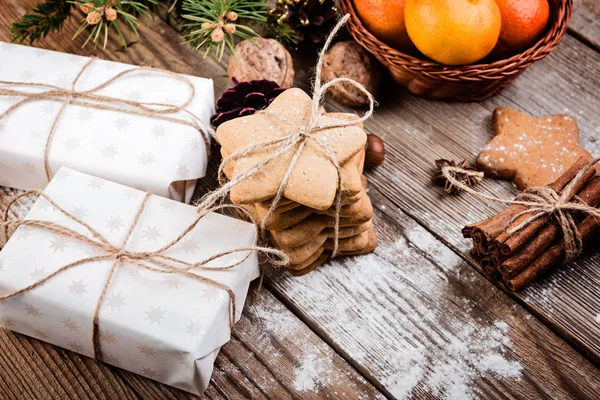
(255, 364)
(32, 369)
(262, 360)
(415, 309)
(585, 23)
(294, 360)
(416, 132)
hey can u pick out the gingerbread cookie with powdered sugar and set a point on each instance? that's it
(531, 151)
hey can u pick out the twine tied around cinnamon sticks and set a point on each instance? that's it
(154, 261)
(296, 142)
(540, 202)
(92, 99)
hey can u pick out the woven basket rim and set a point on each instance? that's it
(560, 16)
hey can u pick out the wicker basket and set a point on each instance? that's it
(462, 83)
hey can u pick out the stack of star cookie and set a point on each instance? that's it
(302, 223)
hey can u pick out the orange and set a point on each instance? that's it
(385, 20)
(523, 22)
(453, 32)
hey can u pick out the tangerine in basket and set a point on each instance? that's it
(385, 20)
(523, 22)
(453, 32)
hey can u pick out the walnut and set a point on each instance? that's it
(350, 60)
(262, 59)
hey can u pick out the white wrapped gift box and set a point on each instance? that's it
(163, 157)
(166, 327)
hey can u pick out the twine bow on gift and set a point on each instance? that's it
(296, 142)
(542, 201)
(92, 99)
(154, 261)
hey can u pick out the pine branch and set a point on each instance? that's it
(282, 32)
(46, 17)
(213, 24)
(209, 24)
(105, 15)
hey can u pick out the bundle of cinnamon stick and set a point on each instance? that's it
(517, 257)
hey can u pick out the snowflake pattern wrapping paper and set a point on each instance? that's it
(166, 327)
(163, 157)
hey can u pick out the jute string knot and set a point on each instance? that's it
(543, 201)
(457, 170)
(156, 261)
(295, 142)
(92, 99)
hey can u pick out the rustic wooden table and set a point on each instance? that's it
(414, 319)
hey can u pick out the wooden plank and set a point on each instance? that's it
(261, 361)
(555, 388)
(421, 322)
(418, 131)
(295, 362)
(32, 369)
(272, 355)
(585, 22)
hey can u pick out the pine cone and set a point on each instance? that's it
(87, 7)
(245, 98)
(310, 19)
(469, 176)
(110, 14)
(93, 18)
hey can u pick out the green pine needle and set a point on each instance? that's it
(282, 32)
(45, 17)
(214, 14)
(50, 16)
(128, 14)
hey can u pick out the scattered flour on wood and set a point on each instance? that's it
(312, 372)
(278, 320)
(395, 312)
(425, 241)
(598, 319)
(592, 144)
(315, 370)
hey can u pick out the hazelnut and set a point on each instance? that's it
(350, 60)
(375, 151)
(262, 59)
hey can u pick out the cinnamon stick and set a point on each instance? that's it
(590, 195)
(489, 270)
(553, 256)
(486, 231)
(475, 254)
(508, 243)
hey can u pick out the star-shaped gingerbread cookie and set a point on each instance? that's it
(313, 181)
(531, 151)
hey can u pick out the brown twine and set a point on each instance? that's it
(154, 261)
(90, 99)
(296, 141)
(542, 201)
